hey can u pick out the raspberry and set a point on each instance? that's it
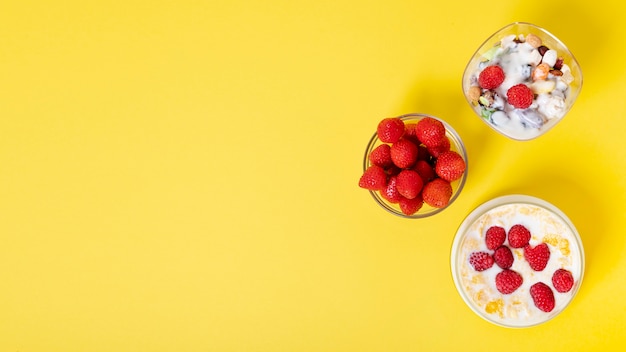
(518, 236)
(538, 256)
(390, 193)
(425, 170)
(507, 281)
(392, 170)
(437, 193)
(409, 183)
(520, 96)
(410, 133)
(503, 257)
(423, 153)
(381, 156)
(495, 237)
(491, 77)
(374, 178)
(430, 131)
(562, 280)
(390, 130)
(404, 153)
(543, 297)
(480, 261)
(410, 206)
(442, 147)
(450, 166)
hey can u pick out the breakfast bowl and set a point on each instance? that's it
(425, 182)
(517, 261)
(522, 81)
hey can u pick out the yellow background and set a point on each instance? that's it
(182, 175)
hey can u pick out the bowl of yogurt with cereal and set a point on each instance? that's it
(522, 81)
(517, 261)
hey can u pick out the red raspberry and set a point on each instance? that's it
(480, 261)
(518, 236)
(507, 281)
(562, 280)
(390, 193)
(538, 256)
(410, 133)
(381, 156)
(425, 170)
(409, 183)
(437, 193)
(393, 170)
(410, 206)
(404, 153)
(543, 297)
(430, 131)
(390, 130)
(503, 257)
(374, 178)
(495, 237)
(423, 153)
(450, 166)
(491, 77)
(442, 147)
(520, 96)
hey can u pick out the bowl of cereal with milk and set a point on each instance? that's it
(517, 261)
(522, 81)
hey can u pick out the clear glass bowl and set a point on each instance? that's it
(456, 144)
(547, 224)
(553, 96)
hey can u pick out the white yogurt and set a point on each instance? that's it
(546, 224)
(518, 60)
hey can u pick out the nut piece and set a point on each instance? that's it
(486, 99)
(533, 40)
(567, 77)
(556, 72)
(474, 93)
(541, 72)
(558, 64)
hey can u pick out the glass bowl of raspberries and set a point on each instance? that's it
(517, 261)
(415, 165)
(522, 81)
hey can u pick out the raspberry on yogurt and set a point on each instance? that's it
(520, 86)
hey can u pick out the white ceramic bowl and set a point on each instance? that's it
(547, 224)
